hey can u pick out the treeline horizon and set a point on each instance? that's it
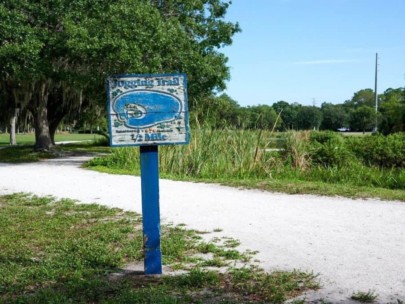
(356, 114)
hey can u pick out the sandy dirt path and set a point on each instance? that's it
(353, 244)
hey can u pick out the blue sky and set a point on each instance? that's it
(311, 51)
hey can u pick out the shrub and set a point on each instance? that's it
(382, 151)
(328, 149)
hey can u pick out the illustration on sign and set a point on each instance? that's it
(148, 109)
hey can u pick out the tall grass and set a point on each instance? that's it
(245, 155)
(354, 174)
(218, 154)
(296, 150)
(331, 158)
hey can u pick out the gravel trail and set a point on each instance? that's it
(354, 245)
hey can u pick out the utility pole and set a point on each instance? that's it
(375, 93)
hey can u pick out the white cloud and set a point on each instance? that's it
(324, 61)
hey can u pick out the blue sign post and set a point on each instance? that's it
(150, 209)
(148, 111)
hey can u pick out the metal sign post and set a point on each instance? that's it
(148, 111)
(150, 209)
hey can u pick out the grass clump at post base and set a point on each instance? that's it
(365, 297)
(294, 162)
(57, 251)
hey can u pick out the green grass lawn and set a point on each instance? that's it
(29, 139)
(62, 252)
(26, 153)
(23, 152)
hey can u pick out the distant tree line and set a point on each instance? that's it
(356, 114)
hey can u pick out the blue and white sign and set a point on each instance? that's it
(148, 109)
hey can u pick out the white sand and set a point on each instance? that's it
(353, 244)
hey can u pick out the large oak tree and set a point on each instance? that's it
(56, 54)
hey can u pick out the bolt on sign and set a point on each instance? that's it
(148, 109)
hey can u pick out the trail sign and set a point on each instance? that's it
(148, 110)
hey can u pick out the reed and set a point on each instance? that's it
(219, 154)
(228, 155)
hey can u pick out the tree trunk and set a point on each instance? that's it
(52, 131)
(39, 111)
(53, 126)
(43, 140)
(57, 110)
(13, 122)
(11, 104)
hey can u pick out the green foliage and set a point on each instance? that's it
(20, 45)
(219, 112)
(309, 118)
(357, 114)
(255, 281)
(223, 112)
(392, 110)
(328, 149)
(120, 158)
(260, 117)
(29, 139)
(382, 151)
(353, 174)
(196, 278)
(58, 54)
(363, 118)
(288, 114)
(296, 150)
(363, 98)
(176, 243)
(22, 154)
(376, 161)
(238, 155)
(365, 297)
(334, 117)
(45, 242)
(318, 157)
